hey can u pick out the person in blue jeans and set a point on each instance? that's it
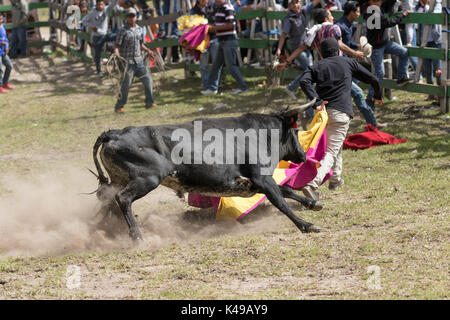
(379, 40)
(205, 8)
(225, 29)
(97, 21)
(431, 67)
(294, 26)
(4, 60)
(351, 14)
(166, 10)
(19, 31)
(129, 44)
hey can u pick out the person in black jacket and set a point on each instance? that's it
(378, 37)
(333, 78)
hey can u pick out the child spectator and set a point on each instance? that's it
(4, 59)
(19, 30)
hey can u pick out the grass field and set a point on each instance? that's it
(392, 215)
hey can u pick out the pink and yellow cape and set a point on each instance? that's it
(287, 173)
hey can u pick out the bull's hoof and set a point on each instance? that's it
(312, 228)
(317, 206)
(136, 235)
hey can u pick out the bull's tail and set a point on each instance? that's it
(103, 138)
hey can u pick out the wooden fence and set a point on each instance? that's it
(57, 16)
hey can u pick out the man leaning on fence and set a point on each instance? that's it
(97, 21)
(129, 43)
(19, 28)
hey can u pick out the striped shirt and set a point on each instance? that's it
(327, 30)
(223, 15)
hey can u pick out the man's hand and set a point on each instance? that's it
(379, 102)
(322, 106)
(93, 29)
(405, 13)
(7, 51)
(211, 28)
(281, 66)
(278, 53)
(4, 43)
(359, 54)
(116, 52)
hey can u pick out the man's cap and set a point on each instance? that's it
(329, 47)
(130, 11)
(365, 47)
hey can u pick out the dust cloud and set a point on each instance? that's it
(48, 215)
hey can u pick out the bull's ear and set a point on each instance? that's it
(300, 109)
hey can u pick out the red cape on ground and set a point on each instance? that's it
(369, 139)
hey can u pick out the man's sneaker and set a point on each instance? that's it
(238, 91)
(334, 186)
(153, 105)
(290, 93)
(3, 90)
(100, 74)
(309, 192)
(208, 92)
(404, 81)
(381, 125)
(8, 86)
(119, 110)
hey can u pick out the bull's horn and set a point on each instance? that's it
(300, 109)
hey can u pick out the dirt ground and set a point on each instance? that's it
(385, 234)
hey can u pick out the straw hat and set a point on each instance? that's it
(365, 47)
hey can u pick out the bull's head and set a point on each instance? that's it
(291, 149)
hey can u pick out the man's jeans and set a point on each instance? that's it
(358, 96)
(227, 54)
(4, 78)
(98, 42)
(18, 42)
(377, 60)
(166, 10)
(430, 66)
(305, 60)
(211, 52)
(159, 12)
(139, 70)
(336, 129)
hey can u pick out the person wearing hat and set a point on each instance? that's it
(332, 77)
(294, 26)
(97, 21)
(129, 44)
(351, 14)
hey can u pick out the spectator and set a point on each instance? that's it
(333, 78)
(4, 59)
(19, 28)
(379, 39)
(431, 67)
(129, 44)
(294, 26)
(97, 21)
(166, 10)
(225, 28)
(351, 14)
(206, 9)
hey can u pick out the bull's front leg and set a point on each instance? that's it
(307, 202)
(269, 187)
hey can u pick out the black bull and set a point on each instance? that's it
(139, 159)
